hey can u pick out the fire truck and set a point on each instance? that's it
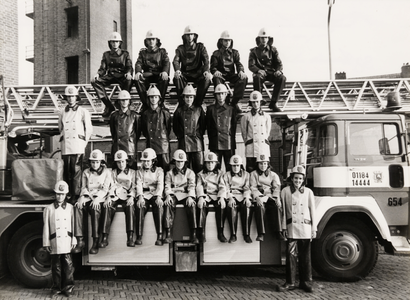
(355, 148)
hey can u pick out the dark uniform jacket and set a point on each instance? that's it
(189, 127)
(115, 63)
(125, 131)
(156, 127)
(152, 61)
(225, 60)
(221, 127)
(191, 61)
(265, 58)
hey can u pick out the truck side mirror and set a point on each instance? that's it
(384, 148)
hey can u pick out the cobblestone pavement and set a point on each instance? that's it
(389, 280)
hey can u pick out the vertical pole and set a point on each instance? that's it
(328, 38)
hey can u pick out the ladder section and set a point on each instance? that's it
(41, 104)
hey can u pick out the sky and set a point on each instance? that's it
(368, 37)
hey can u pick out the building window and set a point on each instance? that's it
(72, 21)
(72, 69)
(114, 26)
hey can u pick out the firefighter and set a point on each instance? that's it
(189, 127)
(152, 66)
(265, 188)
(255, 130)
(156, 127)
(150, 189)
(122, 192)
(210, 189)
(180, 188)
(95, 186)
(221, 126)
(299, 226)
(59, 240)
(74, 124)
(191, 64)
(125, 128)
(116, 67)
(224, 61)
(239, 199)
(265, 64)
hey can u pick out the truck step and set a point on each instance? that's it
(400, 244)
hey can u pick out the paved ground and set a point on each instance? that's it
(389, 280)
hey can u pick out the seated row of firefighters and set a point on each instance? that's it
(103, 189)
(191, 64)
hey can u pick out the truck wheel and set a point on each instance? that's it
(28, 261)
(346, 251)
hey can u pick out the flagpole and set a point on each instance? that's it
(330, 2)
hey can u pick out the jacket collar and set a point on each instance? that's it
(206, 171)
(99, 171)
(293, 188)
(266, 172)
(152, 169)
(121, 113)
(254, 111)
(74, 108)
(239, 174)
(182, 171)
(126, 170)
(63, 205)
(118, 51)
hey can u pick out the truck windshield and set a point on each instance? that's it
(374, 139)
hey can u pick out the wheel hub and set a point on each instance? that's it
(344, 249)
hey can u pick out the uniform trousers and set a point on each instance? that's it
(226, 155)
(169, 213)
(106, 80)
(73, 166)
(143, 86)
(239, 86)
(279, 84)
(196, 159)
(220, 215)
(201, 83)
(246, 217)
(79, 220)
(157, 212)
(108, 214)
(268, 211)
(298, 248)
(62, 272)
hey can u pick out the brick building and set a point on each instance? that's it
(70, 37)
(9, 42)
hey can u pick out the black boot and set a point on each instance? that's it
(139, 240)
(200, 233)
(168, 238)
(221, 236)
(104, 242)
(94, 247)
(232, 239)
(130, 239)
(247, 239)
(159, 241)
(273, 106)
(80, 245)
(194, 239)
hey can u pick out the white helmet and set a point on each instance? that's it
(262, 158)
(96, 155)
(61, 187)
(115, 36)
(225, 35)
(179, 155)
(153, 91)
(123, 95)
(148, 154)
(71, 90)
(255, 96)
(264, 33)
(189, 90)
(220, 88)
(299, 170)
(150, 35)
(236, 160)
(189, 30)
(120, 155)
(211, 157)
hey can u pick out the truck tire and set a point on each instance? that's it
(346, 251)
(28, 261)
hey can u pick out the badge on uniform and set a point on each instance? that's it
(145, 154)
(119, 155)
(61, 188)
(262, 156)
(235, 160)
(95, 155)
(181, 156)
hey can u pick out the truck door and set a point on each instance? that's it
(376, 166)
